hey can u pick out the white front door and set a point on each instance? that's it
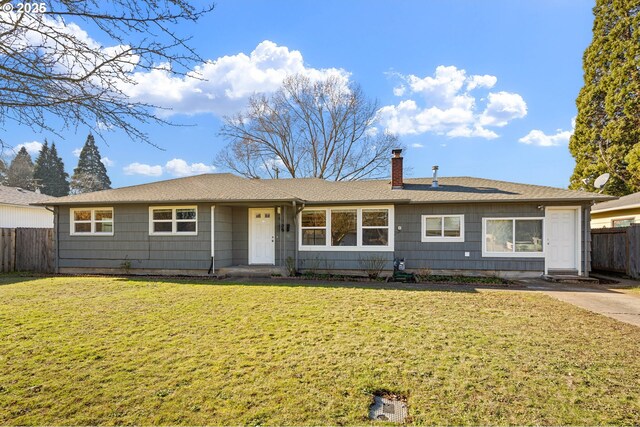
(562, 239)
(262, 236)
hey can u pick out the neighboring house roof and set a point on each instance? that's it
(20, 197)
(625, 202)
(231, 188)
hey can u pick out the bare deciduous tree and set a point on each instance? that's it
(50, 67)
(324, 129)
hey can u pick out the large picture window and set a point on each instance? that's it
(92, 221)
(170, 220)
(513, 237)
(347, 228)
(442, 228)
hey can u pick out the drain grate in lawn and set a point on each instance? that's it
(388, 408)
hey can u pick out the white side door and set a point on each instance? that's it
(262, 236)
(562, 239)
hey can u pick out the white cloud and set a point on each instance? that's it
(541, 139)
(33, 147)
(57, 41)
(77, 152)
(175, 167)
(502, 108)
(444, 104)
(372, 131)
(179, 167)
(399, 90)
(274, 163)
(107, 162)
(222, 86)
(481, 81)
(471, 132)
(416, 145)
(142, 169)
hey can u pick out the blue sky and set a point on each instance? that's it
(480, 88)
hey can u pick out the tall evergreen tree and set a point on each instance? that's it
(607, 132)
(3, 172)
(49, 172)
(91, 174)
(60, 183)
(42, 167)
(20, 172)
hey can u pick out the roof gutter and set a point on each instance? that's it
(619, 208)
(134, 202)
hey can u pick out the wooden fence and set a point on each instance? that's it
(26, 249)
(617, 250)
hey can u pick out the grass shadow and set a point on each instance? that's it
(307, 283)
(17, 277)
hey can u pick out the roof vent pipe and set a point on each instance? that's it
(434, 183)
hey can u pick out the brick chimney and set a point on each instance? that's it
(396, 170)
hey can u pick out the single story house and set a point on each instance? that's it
(16, 209)
(617, 213)
(207, 224)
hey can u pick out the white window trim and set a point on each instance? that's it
(72, 222)
(624, 218)
(425, 238)
(173, 221)
(514, 254)
(359, 247)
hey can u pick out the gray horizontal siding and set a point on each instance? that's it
(451, 255)
(439, 255)
(223, 233)
(132, 243)
(330, 260)
(240, 250)
(284, 242)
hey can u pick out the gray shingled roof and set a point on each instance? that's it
(230, 188)
(19, 196)
(419, 190)
(624, 202)
(200, 188)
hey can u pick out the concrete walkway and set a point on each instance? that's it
(602, 299)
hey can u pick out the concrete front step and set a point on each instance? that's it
(570, 278)
(251, 271)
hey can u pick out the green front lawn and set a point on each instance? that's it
(116, 351)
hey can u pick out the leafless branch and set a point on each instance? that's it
(49, 68)
(323, 129)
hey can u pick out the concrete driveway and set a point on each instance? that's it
(602, 299)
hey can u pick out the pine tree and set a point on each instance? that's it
(91, 174)
(3, 172)
(49, 172)
(41, 168)
(60, 183)
(607, 132)
(20, 172)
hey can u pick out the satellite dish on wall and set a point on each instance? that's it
(601, 181)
